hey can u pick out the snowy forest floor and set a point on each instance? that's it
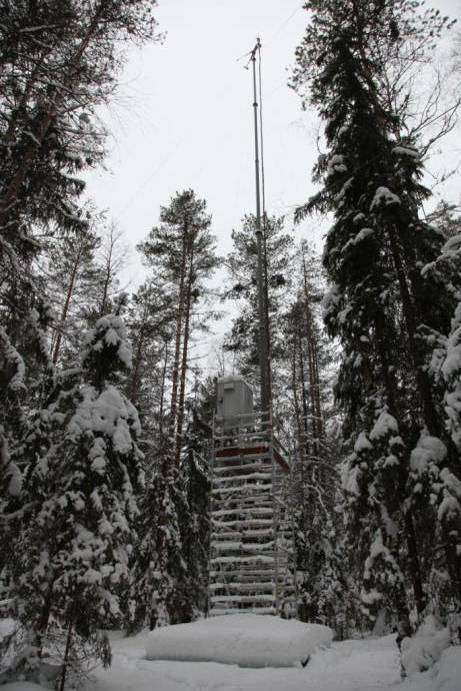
(352, 665)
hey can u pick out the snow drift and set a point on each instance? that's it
(425, 648)
(247, 640)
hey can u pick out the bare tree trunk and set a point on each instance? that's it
(308, 443)
(134, 388)
(65, 309)
(162, 392)
(185, 347)
(414, 563)
(107, 279)
(65, 661)
(314, 384)
(177, 347)
(299, 426)
(294, 384)
(317, 390)
(44, 618)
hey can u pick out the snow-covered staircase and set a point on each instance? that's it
(250, 541)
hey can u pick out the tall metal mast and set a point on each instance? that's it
(263, 344)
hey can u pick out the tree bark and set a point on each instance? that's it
(409, 313)
(185, 347)
(162, 392)
(414, 564)
(299, 427)
(65, 309)
(134, 389)
(177, 347)
(314, 383)
(65, 661)
(309, 446)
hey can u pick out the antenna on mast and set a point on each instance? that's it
(264, 364)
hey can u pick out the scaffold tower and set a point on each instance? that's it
(251, 542)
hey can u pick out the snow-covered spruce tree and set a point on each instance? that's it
(58, 62)
(169, 575)
(24, 364)
(158, 566)
(195, 522)
(385, 310)
(80, 486)
(435, 480)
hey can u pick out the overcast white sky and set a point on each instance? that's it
(183, 118)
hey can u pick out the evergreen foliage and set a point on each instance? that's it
(150, 314)
(80, 488)
(104, 512)
(158, 571)
(243, 339)
(388, 312)
(181, 253)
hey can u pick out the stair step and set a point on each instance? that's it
(218, 611)
(245, 477)
(241, 585)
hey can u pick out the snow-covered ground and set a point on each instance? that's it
(354, 665)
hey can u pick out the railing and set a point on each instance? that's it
(248, 429)
(235, 440)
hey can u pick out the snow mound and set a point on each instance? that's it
(425, 648)
(247, 640)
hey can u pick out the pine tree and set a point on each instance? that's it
(181, 253)
(387, 313)
(80, 490)
(241, 263)
(149, 322)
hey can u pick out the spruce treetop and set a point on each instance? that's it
(107, 351)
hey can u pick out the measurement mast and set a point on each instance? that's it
(263, 343)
